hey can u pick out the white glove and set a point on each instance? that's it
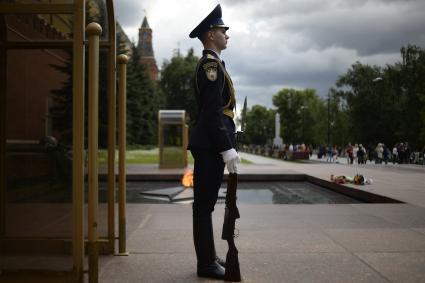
(231, 158)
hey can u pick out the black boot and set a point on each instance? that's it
(205, 250)
(220, 261)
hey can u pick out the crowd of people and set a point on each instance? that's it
(285, 152)
(400, 153)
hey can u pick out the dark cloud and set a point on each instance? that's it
(368, 29)
(289, 43)
(295, 78)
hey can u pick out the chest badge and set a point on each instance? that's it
(211, 70)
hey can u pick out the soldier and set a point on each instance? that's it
(212, 139)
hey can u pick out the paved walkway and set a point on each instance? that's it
(288, 243)
(402, 182)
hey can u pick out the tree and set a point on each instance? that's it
(259, 125)
(177, 82)
(61, 111)
(412, 94)
(337, 120)
(386, 104)
(300, 112)
(143, 103)
(364, 102)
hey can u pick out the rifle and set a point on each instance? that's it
(231, 213)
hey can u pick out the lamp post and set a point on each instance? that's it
(303, 113)
(329, 130)
(377, 132)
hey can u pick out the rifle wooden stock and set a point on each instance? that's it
(232, 273)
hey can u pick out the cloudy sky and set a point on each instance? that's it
(277, 44)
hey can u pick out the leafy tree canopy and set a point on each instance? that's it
(143, 103)
(259, 125)
(387, 104)
(177, 82)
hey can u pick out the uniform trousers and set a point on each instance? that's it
(207, 178)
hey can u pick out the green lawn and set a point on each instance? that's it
(143, 156)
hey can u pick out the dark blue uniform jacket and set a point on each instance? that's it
(214, 128)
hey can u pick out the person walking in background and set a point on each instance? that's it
(355, 150)
(395, 154)
(291, 147)
(329, 157)
(386, 154)
(212, 141)
(361, 154)
(379, 153)
(335, 154)
(349, 151)
(371, 154)
(401, 152)
(407, 152)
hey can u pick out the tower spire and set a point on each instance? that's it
(145, 23)
(145, 49)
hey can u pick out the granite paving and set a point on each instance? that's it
(355, 242)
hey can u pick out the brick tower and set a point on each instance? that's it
(146, 51)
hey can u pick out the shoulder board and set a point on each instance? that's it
(208, 65)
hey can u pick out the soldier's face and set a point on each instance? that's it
(220, 38)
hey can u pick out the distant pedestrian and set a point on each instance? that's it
(379, 153)
(329, 154)
(349, 151)
(395, 154)
(361, 154)
(335, 154)
(386, 154)
(371, 152)
(355, 150)
(401, 153)
(407, 152)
